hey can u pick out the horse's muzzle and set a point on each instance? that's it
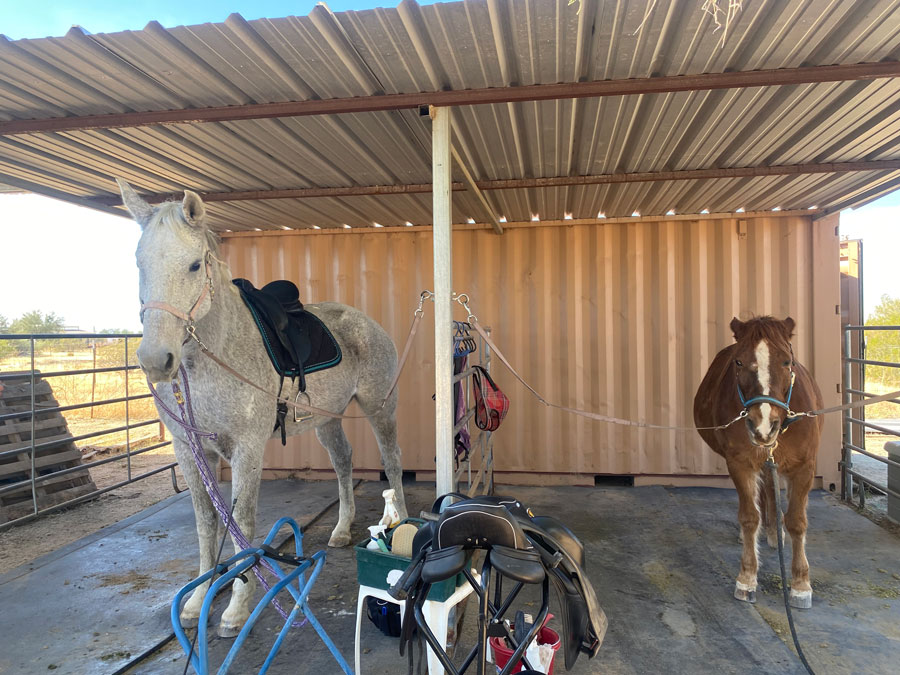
(159, 365)
(763, 440)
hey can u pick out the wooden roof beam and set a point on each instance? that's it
(537, 92)
(519, 183)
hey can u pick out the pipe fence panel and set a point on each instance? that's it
(76, 421)
(871, 368)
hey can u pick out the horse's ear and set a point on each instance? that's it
(737, 327)
(140, 210)
(193, 207)
(789, 327)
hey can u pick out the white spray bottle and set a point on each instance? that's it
(391, 517)
(374, 531)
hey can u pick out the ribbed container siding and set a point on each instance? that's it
(617, 317)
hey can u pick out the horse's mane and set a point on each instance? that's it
(170, 214)
(764, 327)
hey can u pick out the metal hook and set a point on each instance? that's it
(463, 299)
(192, 332)
(423, 296)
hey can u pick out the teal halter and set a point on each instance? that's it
(784, 405)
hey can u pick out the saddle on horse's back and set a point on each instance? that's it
(296, 340)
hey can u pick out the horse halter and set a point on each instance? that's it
(191, 314)
(784, 405)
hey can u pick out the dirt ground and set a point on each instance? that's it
(23, 543)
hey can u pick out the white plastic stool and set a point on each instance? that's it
(436, 614)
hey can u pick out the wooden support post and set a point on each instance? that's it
(443, 289)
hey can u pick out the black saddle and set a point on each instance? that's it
(296, 341)
(518, 546)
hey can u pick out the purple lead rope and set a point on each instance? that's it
(188, 423)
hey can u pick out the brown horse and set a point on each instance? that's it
(758, 374)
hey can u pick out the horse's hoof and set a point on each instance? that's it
(229, 630)
(801, 599)
(339, 540)
(189, 621)
(745, 594)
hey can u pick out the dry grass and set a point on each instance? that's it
(884, 409)
(85, 388)
(722, 13)
(26, 542)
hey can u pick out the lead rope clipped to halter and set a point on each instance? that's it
(187, 422)
(773, 467)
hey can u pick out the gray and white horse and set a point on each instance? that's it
(182, 283)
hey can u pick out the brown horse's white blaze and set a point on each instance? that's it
(761, 364)
(764, 428)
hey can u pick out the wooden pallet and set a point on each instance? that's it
(15, 450)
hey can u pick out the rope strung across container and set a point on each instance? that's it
(463, 300)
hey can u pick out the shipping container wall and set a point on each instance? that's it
(618, 317)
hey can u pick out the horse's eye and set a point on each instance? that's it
(786, 364)
(738, 363)
(195, 266)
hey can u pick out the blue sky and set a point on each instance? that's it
(80, 263)
(46, 18)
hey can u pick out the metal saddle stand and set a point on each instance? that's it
(518, 547)
(235, 567)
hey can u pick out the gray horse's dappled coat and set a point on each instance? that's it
(172, 258)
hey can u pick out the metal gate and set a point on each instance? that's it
(866, 468)
(37, 412)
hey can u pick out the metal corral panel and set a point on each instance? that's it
(621, 318)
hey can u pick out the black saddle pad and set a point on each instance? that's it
(296, 341)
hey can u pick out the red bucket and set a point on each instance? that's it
(502, 653)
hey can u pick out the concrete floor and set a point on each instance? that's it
(662, 561)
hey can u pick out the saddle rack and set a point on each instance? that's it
(298, 580)
(518, 547)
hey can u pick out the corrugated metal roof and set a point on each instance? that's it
(456, 46)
